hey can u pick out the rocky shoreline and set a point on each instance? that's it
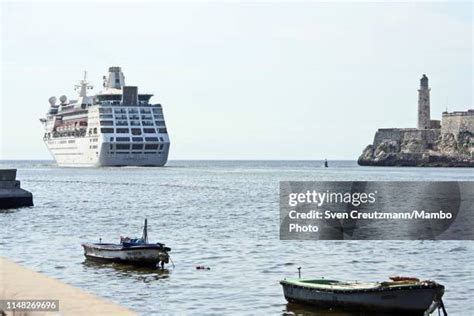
(414, 160)
(448, 151)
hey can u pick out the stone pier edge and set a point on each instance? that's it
(18, 283)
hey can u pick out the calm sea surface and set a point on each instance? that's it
(221, 214)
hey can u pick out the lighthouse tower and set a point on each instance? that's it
(424, 104)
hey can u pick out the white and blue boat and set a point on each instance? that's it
(132, 251)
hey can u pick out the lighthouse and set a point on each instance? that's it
(424, 104)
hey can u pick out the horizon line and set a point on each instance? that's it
(52, 160)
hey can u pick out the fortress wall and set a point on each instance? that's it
(456, 122)
(399, 135)
(435, 124)
(389, 134)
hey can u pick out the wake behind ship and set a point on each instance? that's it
(116, 127)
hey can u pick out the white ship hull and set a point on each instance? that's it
(77, 152)
(156, 160)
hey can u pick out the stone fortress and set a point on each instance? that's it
(434, 143)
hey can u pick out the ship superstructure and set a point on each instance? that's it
(116, 127)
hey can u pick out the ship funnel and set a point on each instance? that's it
(52, 100)
(115, 78)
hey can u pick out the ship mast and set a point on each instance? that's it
(83, 86)
(145, 232)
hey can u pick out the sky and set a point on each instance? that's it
(241, 80)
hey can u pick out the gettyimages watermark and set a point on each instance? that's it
(336, 210)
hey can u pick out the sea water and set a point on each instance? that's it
(219, 214)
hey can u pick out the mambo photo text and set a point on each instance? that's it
(354, 214)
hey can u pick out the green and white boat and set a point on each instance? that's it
(409, 296)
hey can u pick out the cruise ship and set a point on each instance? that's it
(116, 127)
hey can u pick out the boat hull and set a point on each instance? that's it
(146, 255)
(414, 300)
(107, 159)
(77, 152)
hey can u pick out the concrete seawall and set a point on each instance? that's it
(11, 195)
(19, 283)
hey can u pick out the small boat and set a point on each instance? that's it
(133, 251)
(409, 296)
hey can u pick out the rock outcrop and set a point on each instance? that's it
(420, 148)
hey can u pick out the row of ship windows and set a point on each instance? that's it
(131, 117)
(131, 110)
(135, 131)
(137, 139)
(137, 146)
(132, 123)
(113, 103)
(159, 153)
